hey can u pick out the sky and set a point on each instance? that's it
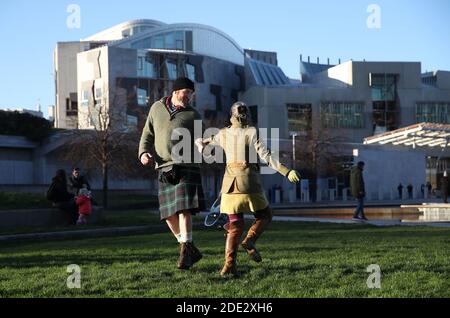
(374, 30)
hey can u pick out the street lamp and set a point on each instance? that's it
(293, 150)
(294, 186)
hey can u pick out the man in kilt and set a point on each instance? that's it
(180, 191)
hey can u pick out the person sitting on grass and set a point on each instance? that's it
(61, 198)
(83, 201)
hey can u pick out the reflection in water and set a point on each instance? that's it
(435, 214)
(417, 213)
(371, 216)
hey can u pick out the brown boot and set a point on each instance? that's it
(263, 218)
(185, 260)
(231, 248)
(195, 254)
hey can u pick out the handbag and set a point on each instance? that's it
(170, 174)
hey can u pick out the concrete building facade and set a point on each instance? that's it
(354, 100)
(124, 69)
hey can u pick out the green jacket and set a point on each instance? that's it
(241, 147)
(357, 188)
(156, 135)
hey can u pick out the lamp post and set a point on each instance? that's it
(294, 190)
(293, 150)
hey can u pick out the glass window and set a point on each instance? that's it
(158, 42)
(169, 40)
(140, 63)
(383, 86)
(179, 40)
(190, 72)
(147, 69)
(98, 93)
(84, 98)
(171, 70)
(142, 97)
(342, 115)
(433, 112)
(179, 35)
(84, 95)
(299, 117)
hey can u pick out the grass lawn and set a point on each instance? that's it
(24, 200)
(300, 260)
(111, 218)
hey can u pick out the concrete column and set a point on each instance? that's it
(318, 195)
(277, 196)
(292, 197)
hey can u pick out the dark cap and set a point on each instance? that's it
(360, 163)
(182, 83)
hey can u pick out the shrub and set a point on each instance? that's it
(23, 124)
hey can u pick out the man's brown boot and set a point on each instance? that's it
(263, 218)
(231, 248)
(194, 252)
(185, 260)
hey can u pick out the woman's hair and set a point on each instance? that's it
(240, 111)
(61, 175)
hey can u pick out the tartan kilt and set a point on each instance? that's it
(186, 195)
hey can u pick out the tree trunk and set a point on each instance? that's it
(105, 184)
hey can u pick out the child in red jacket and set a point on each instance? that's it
(83, 201)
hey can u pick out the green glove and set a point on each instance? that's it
(293, 176)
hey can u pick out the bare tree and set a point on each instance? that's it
(107, 142)
(317, 155)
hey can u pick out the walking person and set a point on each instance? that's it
(242, 191)
(429, 188)
(400, 191)
(180, 191)
(409, 188)
(358, 191)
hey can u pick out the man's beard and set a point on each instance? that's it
(185, 101)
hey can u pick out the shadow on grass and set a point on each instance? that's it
(63, 260)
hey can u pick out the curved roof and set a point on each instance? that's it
(178, 26)
(209, 41)
(123, 26)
